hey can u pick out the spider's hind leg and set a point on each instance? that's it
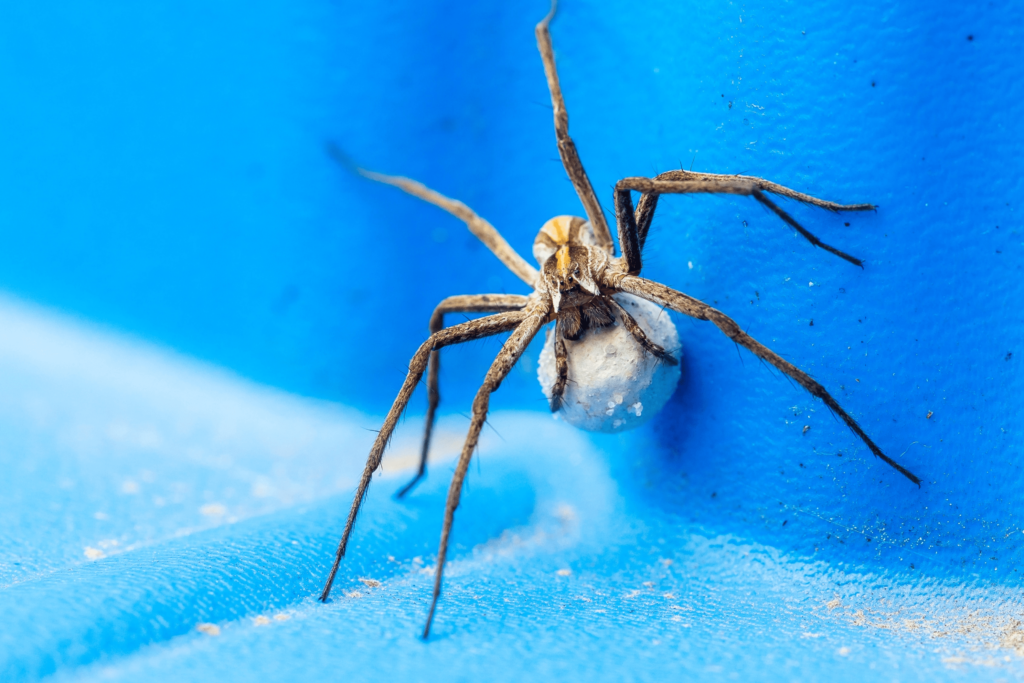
(470, 303)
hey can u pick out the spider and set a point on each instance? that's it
(574, 287)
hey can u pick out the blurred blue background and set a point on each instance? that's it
(203, 316)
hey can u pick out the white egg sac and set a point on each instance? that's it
(614, 384)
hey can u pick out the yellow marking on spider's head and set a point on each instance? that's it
(562, 261)
(558, 229)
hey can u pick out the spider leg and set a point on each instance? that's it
(469, 303)
(677, 301)
(644, 215)
(688, 182)
(486, 232)
(765, 186)
(457, 334)
(561, 367)
(533, 319)
(638, 333)
(566, 147)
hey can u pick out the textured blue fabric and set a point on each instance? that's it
(164, 177)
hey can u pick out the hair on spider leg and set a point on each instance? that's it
(738, 354)
(339, 156)
(487, 423)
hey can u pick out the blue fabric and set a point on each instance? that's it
(164, 179)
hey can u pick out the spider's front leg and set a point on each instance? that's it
(566, 147)
(468, 303)
(633, 227)
(457, 334)
(687, 305)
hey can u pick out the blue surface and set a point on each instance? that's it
(164, 177)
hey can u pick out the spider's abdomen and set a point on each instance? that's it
(560, 233)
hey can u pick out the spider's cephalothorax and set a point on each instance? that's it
(571, 267)
(578, 286)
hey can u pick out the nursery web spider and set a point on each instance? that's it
(578, 274)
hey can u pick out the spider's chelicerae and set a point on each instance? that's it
(579, 274)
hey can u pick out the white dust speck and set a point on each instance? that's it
(843, 651)
(370, 583)
(94, 553)
(213, 510)
(637, 408)
(260, 621)
(689, 264)
(282, 617)
(209, 629)
(130, 487)
(101, 516)
(564, 572)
